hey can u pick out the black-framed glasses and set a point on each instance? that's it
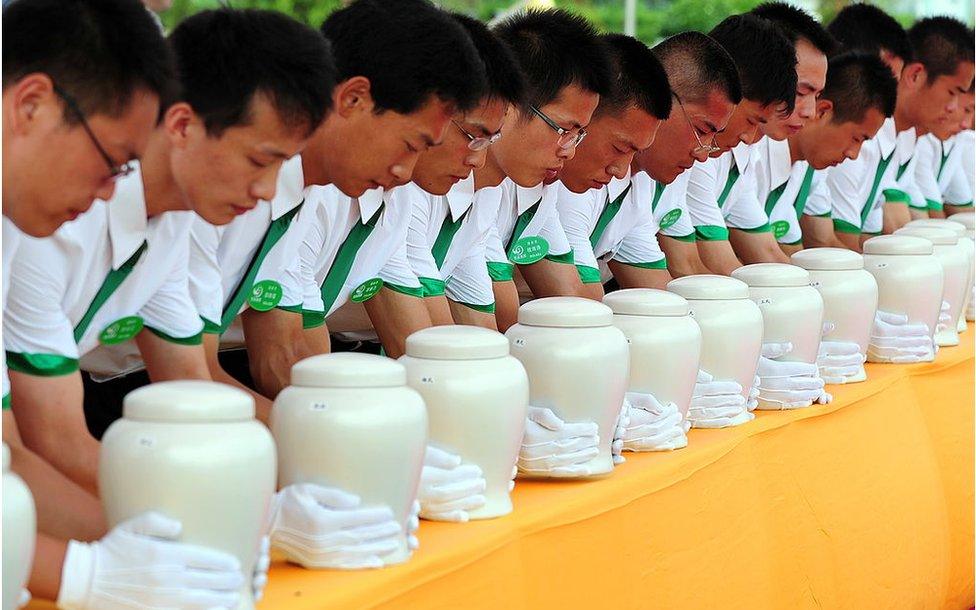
(568, 138)
(116, 170)
(477, 143)
(702, 148)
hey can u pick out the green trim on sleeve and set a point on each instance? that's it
(312, 319)
(588, 275)
(968, 204)
(211, 328)
(932, 204)
(41, 365)
(658, 264)
(501, 272)
(196, 339)
(490, 308)
(793, 243)
(689, 238)
(842, 226)
(763, 228)
(824, 215)
(6, 402)
(711, 233)
(432, 287)
(567, 258)
(896, 196)
(410, 291)
(290, 308)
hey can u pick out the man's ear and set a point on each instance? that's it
(178, 122)
(31, 99)
(352, 95)
(825, 108)
(914, 75)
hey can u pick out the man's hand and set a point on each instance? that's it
(787, 385)
(893, 339)
(552, 447)
(717, 404)
(653, 426)
(448, 488)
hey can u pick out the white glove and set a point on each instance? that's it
(551, 446)
(971, 308)
(260, 577)
(944, 318)
(753, 401)
(448, 488)
(717, 404)
(839, 361)
(623, 420)
(893, 339)
(653, 426)
(140, 566)
(413, 524)
(325, 527)
(25, 598)
(787, 385)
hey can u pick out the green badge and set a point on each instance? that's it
(121, 330)
(529, 250)
(264, 295)
(366, 290)
(780, 228)
(670, 218)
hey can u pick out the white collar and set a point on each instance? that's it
(742, 154)
(906, 144)
(525, 198)
(887, 137)
(461, 197)
(369, 202)
(127, 219)
(778, 156)
(616, 186)
(290, 190)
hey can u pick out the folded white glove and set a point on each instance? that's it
(944, 318)
(551, 446)
(653, 426)
(893, 339)
(413, 524)
(971, 308)
(448, 488)
(25, 598)
(623, 420)
(325, 527)
(787, 385)
(753, 401)
(260, 577)
(140, 566)
(717, 404)
(839, 361)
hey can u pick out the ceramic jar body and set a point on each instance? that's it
(19, 531)
(732, 335)
(850, 298)
(909, 284)
(791, 314)
(956, 269)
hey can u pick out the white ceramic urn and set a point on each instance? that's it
(965, 239)
(967, 219)
(910, 277)
(792, 310)
(350, 421)
(577, 362)
(477, 398)
(731, 326)
(665, 343)
(193, 451)
(19, 531)
(956, 269)
(850, 294)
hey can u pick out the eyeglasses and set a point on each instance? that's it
(477, 143)
(568, 138)
(702, 147)
(115, 170)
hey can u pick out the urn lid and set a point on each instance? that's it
(709, 287)
(898, 244)
(773, 275)
(188, 401)
(565, 312)
(940, 223)
(348, 370)
(938, 237)
(646, 302)
(967, 219)
(457, 342)
(828, 259)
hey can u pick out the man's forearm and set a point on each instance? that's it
(506, 304)
(462, 314)
(818, 232)
(262, 404)
(396, 316)
(895, 216)
(683, 258)
(439, 310)
(45, 576)
(718, 257)
(551, 279)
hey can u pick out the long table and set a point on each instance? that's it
(863, 503)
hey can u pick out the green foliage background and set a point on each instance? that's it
(656, 19)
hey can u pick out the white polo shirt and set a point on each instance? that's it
(939, 173)
(98, 281)
(858, 188)
(905, 188)
(668, 203)
(966, 143)
(714, 187)
(446, 240)
(11, 240)
(615, 222)
(352, 247)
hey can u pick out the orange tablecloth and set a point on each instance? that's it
(865, 503)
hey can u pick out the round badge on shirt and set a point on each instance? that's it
(670, 218)
(121, 330)
(366, 290)
(265, 295)
(780, 228)
(528, 250)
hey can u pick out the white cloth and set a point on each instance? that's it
(448, 487)
(12, 237)
(653, 426)
(325, 527)
(553, 447)
(786, 384)
(139, 565)
(717, 404)
(893, 339)
(711, 193)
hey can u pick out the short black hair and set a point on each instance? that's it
(697, 65)
(225, 57)
(797, 24)
(409, 50)
(865, 27)
(504, 77)
(856, 82)
(764, 56)
(556, 49)
(639, 78)
(941, 44)
(98, 51)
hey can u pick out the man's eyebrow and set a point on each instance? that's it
(710, 126)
